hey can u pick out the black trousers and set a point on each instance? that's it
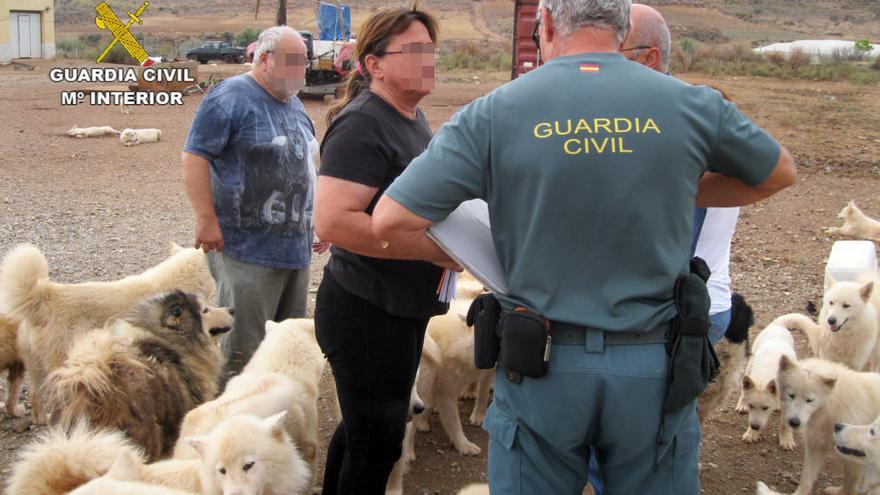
(374, 357)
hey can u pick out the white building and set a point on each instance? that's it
(27, 29)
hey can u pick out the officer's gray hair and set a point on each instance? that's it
(653, 31)
(570, 15)
(269, 38)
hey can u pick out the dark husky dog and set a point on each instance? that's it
(143, 373)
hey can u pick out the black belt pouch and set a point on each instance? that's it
(692, 360)
(483, 315)
(525, 343)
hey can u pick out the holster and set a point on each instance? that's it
(483, 315)
(692, 360)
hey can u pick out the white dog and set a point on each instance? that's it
(124, 479)
(52, 315)
(131, 137)
(861, 444)
(291, 350)
(759, 396)
(401, 467)
(856, 224)
(246, 455)
(59, 461)
(11, 361)
(816, 394)
(84, 132)
(847, 329)
(445, 379)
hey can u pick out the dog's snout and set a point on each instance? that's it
(794, 422)
(837, 427)
(418, 409)
(755, 427)
(231, 312)
(832, 320)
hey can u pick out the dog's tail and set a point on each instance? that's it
(24, 275)
(91, 384)
(742, 317)
(61, 460)
(797, 321)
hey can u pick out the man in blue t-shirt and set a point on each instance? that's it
(249, 169)
(591, 166)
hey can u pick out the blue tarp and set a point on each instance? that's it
(334, 24)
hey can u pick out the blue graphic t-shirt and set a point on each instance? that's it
(262, 153)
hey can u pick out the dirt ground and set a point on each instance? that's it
(100, 211)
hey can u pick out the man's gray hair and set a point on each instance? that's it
(269, 38)
(653, 31)
(570, 15)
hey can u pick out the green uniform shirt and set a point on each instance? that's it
(590, 167)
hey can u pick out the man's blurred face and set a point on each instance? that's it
(286, 66)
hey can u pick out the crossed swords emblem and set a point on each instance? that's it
(107, 20)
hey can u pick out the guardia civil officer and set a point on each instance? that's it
(591, 166)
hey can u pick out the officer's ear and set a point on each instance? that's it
(652, 58)
(548, 34)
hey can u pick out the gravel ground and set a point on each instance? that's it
(101, 211)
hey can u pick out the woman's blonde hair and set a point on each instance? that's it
(373, 38)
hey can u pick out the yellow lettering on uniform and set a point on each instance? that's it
(602, 124)
(567, 130)
(543, 130)
(583, 125)
(650, 125)
(620, 123)
(621, 149)
(600, 149)
(574, 151)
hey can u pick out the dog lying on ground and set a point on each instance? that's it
(445, 378)
(847, 328)
(290, 360)
(856, 224)
(53, 315)
(816, 394)
(143, 374)
(131, 137)
(10, 361)
(859, 444)
(251, 456)
(84, 132)
(733, 352)
(759, 397)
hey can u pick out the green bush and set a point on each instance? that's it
(247, 36)
(864, 46)
(474, 56)
(71, 48)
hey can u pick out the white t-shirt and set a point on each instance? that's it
(713, 245)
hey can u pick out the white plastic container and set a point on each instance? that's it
(849, 259)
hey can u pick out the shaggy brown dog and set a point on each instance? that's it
(142, 374)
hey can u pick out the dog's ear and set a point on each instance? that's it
(124, 468)
(785, 363)
(275, 423)
(771, 386)
(829, 282)
(174, 248)
(866, 290)
(747, 383)
(197, 443)
(828, 381)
